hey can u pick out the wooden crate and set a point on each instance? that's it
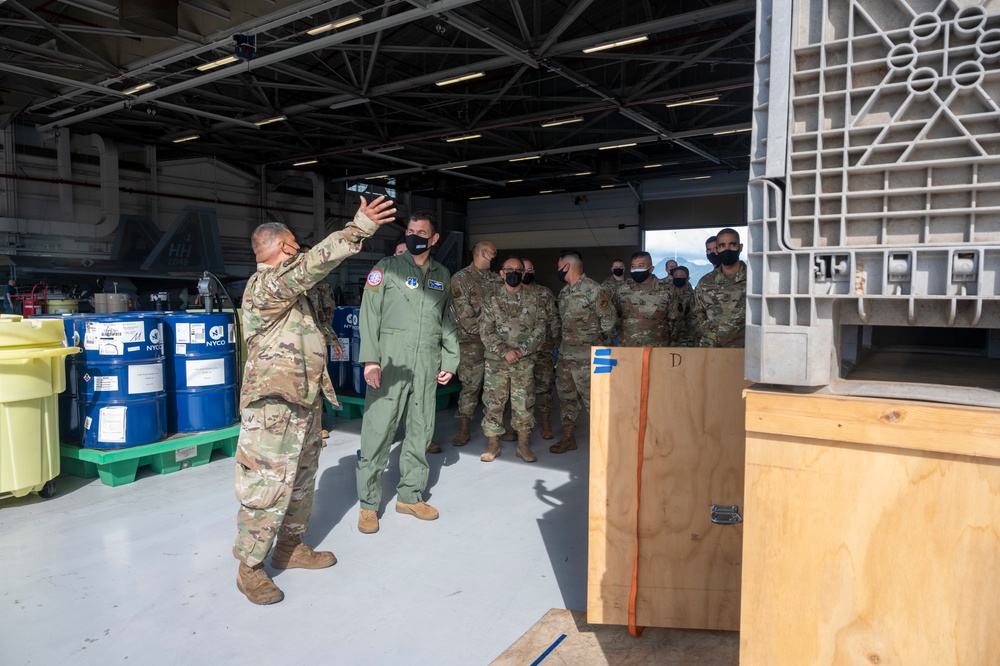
(872, 532)
(689, 567)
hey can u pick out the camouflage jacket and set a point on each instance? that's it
(684, 333)
(612, 285)
(286, 352)
(469, 288)
(646, 313)
(324, 305)
(721, 308)
(586, 317)
(511, 320)
(547, 305)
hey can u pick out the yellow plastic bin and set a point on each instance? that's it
(32, 374)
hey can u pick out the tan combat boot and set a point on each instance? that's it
(493, 452)
(368, 521)
(545, 424)
(421, 510)
(523, 448)
(433, 447)
(568, 441)
(291, 553)
(257, 585)
(463, 436)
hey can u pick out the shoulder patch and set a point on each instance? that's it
(456, 289)
(604, 300)
(435, 284)
(375, 278)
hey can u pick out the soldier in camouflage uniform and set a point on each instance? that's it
(645, 307)
(612, 283)
(711, 254)
(684, 331)
(587, 318)
(409, 346)
(545, 369)
(512, 329)
(469, 287)
(721, 296)
(284, 383)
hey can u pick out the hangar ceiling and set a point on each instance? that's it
(465, 98)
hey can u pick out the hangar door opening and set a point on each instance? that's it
(686, 247)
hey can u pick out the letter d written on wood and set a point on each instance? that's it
(675, 359)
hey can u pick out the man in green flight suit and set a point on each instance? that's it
(284, 382)
(409, 345)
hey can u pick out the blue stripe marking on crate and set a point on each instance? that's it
(548, 651)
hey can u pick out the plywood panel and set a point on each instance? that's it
(689, 569)
(867, 550)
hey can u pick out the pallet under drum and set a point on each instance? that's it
(117, 467)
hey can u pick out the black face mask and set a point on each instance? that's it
(680, 282)
(528, 278)
(640, 276)
(513, 279)
(618, 272)
(713, 258)
(417, 245)
(729, 257)
(561, 275)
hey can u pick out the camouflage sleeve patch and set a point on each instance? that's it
(456, 289)
(603, 299)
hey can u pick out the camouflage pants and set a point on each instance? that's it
(573, 383)
(470, 373)
(545, 377)
(276, 462)
(504, 381)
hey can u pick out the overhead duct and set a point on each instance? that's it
(107, 151)
(155, 18)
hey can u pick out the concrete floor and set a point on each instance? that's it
(143, 573)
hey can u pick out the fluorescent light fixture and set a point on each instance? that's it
(620, 145)
(384, 175)
(459, 79)
(141, 86)
(305, 162)
(477, 198)
(583, 173)
(696, 178)
(567, 121)
(350, 102)
(186, 138)
(337, 24)
(546, 191)
(604, 187)
(463, 138)
(652, 166)
(216, 63)
(736, 131)
(525, 159)
(612, 45)
(460, 166)
(516, 180)
(701, 100)
(276, 119)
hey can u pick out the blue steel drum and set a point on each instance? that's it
(123, 401)
(345, 327)
(69, 404)
(201, 370)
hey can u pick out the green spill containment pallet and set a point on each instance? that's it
(116, 467)
(354, 405)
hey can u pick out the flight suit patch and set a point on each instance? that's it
(435, 284)
(412, 282)
(375, 278)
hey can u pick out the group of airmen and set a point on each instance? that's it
(502, 333)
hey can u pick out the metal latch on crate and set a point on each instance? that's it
(726, 515)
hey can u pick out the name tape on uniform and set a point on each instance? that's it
(435, 284)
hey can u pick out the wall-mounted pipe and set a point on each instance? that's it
(107, 151)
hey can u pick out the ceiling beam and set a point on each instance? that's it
(269, 59)
(567, 20)
(98, 61)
